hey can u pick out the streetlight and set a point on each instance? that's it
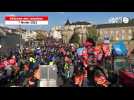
(62, 36)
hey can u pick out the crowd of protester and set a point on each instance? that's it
(21, 67)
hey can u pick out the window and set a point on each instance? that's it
(130, 34)
(117, 35)
(112, 35)
(101, 34)
(123, 34)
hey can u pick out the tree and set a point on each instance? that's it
(40, 36)
(131, 21)
(92, 33)
(75, 38)
(64, 36)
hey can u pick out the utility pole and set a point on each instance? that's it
(20, 35)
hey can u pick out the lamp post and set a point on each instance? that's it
(20, 35)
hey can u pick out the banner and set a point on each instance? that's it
(26, 20)
(119, 48)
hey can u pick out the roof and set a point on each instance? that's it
(81, 23)
(67, 23)
(5, 30)
(114, 25)
(42, 31)
(77, 23)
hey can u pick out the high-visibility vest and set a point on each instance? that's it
(51, 63)
(32, 60)
(66, 66)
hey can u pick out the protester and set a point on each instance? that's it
(73, 63)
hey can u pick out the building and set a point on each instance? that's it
(32, 38)
(79, 27)
(8, 39)
(43, 32)
(28, 35)
(56, 32)
(116, 31)
(65, 32)
(73, 25)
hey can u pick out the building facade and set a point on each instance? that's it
(65, 32)
(8, 39)
(79, 27)
(29, 35)
(116, 33)
(56, 32)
